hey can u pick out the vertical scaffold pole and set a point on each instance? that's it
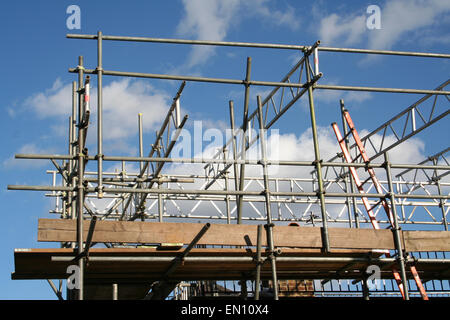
(115, 291)
(68, 213)
(141, 140)
(99, 115)
(316, 61)
(227, 197)
(160, 204)
(349, 180)
(441, 202)
(270, 225)
(396, 229)
(317, 161)
(80, 186)
(244, 140)
(258, 261)
(233, 141)
(141, 154)
(72, 152)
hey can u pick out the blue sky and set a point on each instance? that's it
(36, 56)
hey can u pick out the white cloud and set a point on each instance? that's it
(357, 96)
(286, 18)
(348, 30)
(401, 20)
(333, 96)
(409, 151)
(212, 20)
(11, 112)
(55, 101)
(279, 147)
(122, 101)
(214, 124)
(322, 96)
(290, 147)
(206, 20)
(29, 148)
(400, 17)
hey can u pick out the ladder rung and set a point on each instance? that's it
(356, 158)
(375, 205)
(365, 181)
(345, 136)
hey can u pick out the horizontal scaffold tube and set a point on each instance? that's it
(226, 192)
(258, 45)
(231, 161)
(251, 259)
(196, 79)
(257, 83)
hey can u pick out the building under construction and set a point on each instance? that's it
(355, 225)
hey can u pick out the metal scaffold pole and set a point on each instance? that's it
(244, 138)
(317, 159)
(80, 184)
(349, 181)
(99, 71)
(269, 226)
(396, 230)
(441, 201)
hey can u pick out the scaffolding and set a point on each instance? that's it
(136, 235)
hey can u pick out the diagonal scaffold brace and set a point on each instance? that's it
(88, 244)
(162, 288)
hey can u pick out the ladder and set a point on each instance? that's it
(377, 185)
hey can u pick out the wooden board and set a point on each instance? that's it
(361, 238)
(426, 240)
(59, 230)
(38, 264)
